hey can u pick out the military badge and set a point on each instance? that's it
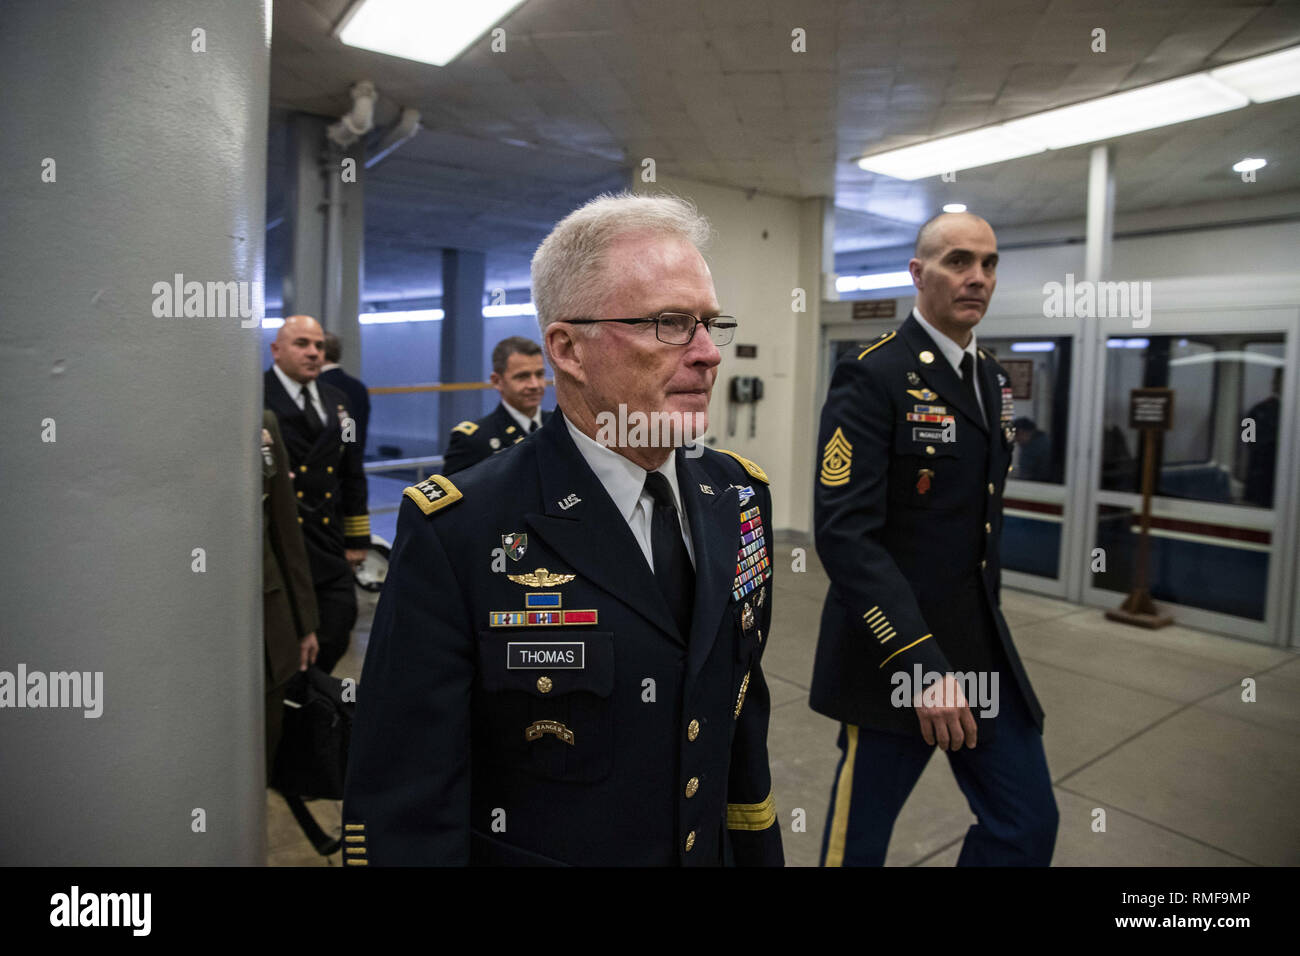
(914, 379)
(837, 459)
(923, 481)
(541, 578)
(515, 544)
(267, 460)
(744, 492)
(746, 617)
(921, 394)
(494, 442)
(752, 562)
(926, 357)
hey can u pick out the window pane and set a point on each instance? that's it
(1218, 381)
(1039, 372)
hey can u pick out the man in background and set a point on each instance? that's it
(329, 483)
(519, 374)
(331, 373)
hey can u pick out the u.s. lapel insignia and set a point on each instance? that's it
(837, 459)
(568, 501)
(922, 394)
(510, 429)
(926, 357)
(515, 544)
(541, 578)
(914, 379)
(708, 490)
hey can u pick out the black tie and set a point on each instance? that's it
(673, 568)
(314, 424)
(968, 377)
(532, 426)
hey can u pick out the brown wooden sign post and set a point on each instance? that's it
(1150, 410)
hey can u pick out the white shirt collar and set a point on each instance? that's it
(295, 388)
(329, 365)
(950, 349)
(622, 480)
(519, 417)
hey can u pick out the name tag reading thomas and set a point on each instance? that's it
(557, 655)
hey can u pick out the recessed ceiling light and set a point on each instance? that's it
(428, 31)
(955, 207)
(1246, 165)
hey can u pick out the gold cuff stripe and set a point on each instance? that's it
(752, 816)
(357, 524)
(355, 839)
(843, 797)
(876, 345)
(901, 649)
(356, 861)
(354, 826)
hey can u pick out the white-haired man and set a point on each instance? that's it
(565, 664)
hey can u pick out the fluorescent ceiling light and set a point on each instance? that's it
(1248, 164)
(1231, 87)
(1109, 117)
(1033, 346)
(963, 151)
(877, 280)
(1127, 343)
(499, 311)
(1264, 78)
(428, 31)
(955, 207)
(390, 318)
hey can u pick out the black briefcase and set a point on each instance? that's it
(312, 759)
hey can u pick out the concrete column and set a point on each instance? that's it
(304, 285)
(1101, 214)
(343, 322)
(134, 153)
(464, 274)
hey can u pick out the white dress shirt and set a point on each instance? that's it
(953, 353)
(624, 482)
(295, 390)
(520, 419)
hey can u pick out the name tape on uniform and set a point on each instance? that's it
(553, 655)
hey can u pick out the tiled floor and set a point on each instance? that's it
(1148, 726)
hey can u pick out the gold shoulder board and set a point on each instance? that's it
(466, 428)
(433, 493)
(875, 345)
(750, 467)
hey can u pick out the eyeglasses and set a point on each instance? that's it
(677, 328)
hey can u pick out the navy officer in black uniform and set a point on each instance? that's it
(329, 481)
(565, 664)
(519, 374)
(916, 440)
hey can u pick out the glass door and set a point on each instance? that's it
(1222, 526)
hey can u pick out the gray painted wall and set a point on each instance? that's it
(161, 169)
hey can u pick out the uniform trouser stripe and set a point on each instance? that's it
(843, 799)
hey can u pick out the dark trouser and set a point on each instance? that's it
(1005, 781)
(338, 612)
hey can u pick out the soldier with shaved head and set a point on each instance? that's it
(320, 435)
(916, 440)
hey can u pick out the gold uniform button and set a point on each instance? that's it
(544, 684)
(988, 528)
(300, 519)
(325, 520)
(929, 449)
(692, 729)
(329, 494)
(690, 841)
(692, 787)
(300, 494)
(991, 489)
(302, 468)
(983, 563)
(329, 469)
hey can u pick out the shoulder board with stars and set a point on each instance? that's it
(876, 344)
(433, 493)
(466, 428)
(750, 467)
